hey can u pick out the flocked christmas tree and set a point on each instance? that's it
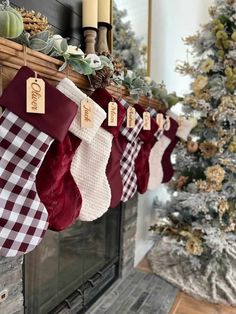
(198, 248)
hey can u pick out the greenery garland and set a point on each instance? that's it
(56, 46)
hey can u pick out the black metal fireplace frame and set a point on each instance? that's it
(78, 302)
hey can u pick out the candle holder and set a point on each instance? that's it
(90, 35)
(103, 29)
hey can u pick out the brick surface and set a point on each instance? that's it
(11, 280)
(137, 293)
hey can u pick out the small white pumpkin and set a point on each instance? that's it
(11, 21)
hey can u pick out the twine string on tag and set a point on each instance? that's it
(1, 79)
(25, 55)
(68, 72)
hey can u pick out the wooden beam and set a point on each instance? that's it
(13, 56)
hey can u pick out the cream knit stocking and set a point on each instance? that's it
(89, 164)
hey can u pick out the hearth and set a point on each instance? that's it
(71, 269)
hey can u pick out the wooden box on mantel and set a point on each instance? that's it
(13, 56)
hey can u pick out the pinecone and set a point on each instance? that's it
(102, 78)
(34, 22)
(106, 54)
(118, 66)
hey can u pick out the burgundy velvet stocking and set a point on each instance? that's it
(102, 98)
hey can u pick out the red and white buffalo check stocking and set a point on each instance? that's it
(130, 154)
(23, 218)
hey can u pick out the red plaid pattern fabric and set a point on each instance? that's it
(129, 156)
(23, 218)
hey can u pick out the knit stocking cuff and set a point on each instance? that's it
(69, 89)
(185, 125)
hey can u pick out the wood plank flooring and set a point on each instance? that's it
(184, 304)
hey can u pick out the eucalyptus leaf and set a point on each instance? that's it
(49, 47)
(63, 66)
(23, 39)
(64, 45)
(80, 66)
(54, 54)
(38, 44)
(42, 35)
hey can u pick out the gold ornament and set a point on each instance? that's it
(118, 66)
(232, 145)
(207, 186)
(199, 84)
(181, 182)
(208, 149)
(215, 174)
(223, 207)
(210, 122)
(192, 146)
(194, 246)
(207, 65)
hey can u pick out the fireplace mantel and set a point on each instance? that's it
(13, 56)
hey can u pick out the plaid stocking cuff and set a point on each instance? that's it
(131, 133)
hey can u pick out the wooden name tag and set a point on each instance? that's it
(160, 120)
(146, 121)
(87, 113)
(35, 95)
(112, 113)
(131, 117)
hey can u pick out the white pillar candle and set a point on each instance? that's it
(104, 11)
(90, 13)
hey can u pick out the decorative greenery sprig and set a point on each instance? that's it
(138, 85)
(56, 46)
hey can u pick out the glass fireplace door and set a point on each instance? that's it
(66, 263)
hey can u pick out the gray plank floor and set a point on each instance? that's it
(140, 293)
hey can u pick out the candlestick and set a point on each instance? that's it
(102, 36)
(104, 11)
(90, 13)
(90, 35)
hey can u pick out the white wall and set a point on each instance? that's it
(146, 218)
(172, 20)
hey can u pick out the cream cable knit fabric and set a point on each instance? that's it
(68, 88)
(89, 164)
(185, 125)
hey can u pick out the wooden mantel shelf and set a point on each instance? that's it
(13, 56)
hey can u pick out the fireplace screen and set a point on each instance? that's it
(72, 268)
